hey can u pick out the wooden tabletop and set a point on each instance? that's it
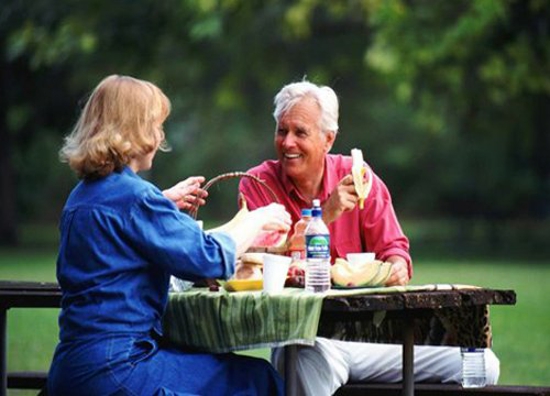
(27, 294)
(20, 290)
(432, 299)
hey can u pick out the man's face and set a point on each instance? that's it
(300, 144)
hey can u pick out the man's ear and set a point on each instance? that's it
(330, 137)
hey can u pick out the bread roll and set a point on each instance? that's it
(253, 258)
(248, 271)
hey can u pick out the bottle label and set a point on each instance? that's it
(318, 246)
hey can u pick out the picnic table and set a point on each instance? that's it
(408, 315)
(421, 312)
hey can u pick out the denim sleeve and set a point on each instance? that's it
(173, 240)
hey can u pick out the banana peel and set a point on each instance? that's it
(368, 274)
(383, 274)
(358, 172)
(236, 219)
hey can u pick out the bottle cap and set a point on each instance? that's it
(316, 203)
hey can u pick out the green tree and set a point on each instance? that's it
(448, 99)
(35, 47)
(477, 72)
(475, 75)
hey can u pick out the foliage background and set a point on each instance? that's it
(449, 100)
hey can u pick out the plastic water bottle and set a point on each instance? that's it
(297, 244)
(473, 367)
(317, 252)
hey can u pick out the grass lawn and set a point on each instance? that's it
(520, 332)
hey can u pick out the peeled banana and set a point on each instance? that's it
(358, 171)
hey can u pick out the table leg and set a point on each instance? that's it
(408, 357)
(291, 381)
(3, 351)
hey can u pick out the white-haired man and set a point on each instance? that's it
(307, 125)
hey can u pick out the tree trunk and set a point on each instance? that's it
(8, 216)
(541, 156)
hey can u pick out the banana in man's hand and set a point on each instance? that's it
(358, 170)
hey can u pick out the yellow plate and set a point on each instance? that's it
(243, 284)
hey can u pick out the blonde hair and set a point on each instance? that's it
(121, 120)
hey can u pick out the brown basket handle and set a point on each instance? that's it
(232, 175)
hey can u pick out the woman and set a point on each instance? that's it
(121, 240)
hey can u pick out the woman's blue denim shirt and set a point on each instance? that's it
(121, 239)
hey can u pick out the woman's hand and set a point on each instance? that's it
(270, 218)
(342, 199)
(187, 193)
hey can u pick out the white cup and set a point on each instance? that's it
(360, 258)
(275, 271)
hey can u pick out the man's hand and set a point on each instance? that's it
(187, 193)
(399, 271)
(342, 199)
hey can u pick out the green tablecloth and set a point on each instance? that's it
(221, 321)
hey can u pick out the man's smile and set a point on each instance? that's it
(291, 156)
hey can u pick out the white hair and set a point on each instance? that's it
(325, 97)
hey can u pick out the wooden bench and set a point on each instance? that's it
(27, 379)
(440, 389)
(23, 295)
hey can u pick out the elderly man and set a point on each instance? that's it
(307, 125)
